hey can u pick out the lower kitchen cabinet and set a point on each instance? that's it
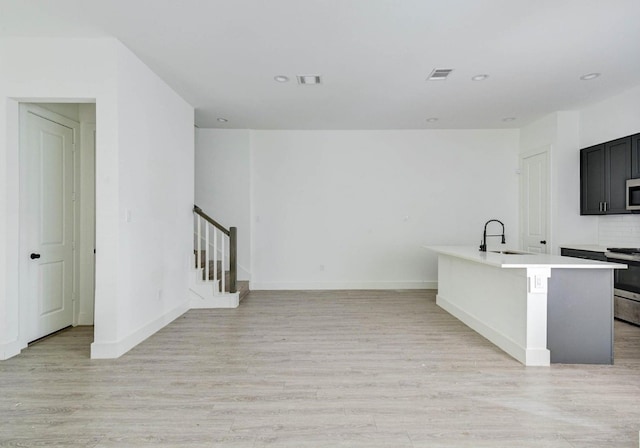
(585, 254)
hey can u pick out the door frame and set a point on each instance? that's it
(86, 223)
(548, 149)
(25, 311)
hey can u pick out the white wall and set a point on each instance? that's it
(558, 132)
(223, 184)
(351, 209)
(156, 184)
(565, 207)
(612, 118)
(539, 134)
(144, 164)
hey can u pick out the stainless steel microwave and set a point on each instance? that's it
(633, 194)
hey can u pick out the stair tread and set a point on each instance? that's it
(242, 286)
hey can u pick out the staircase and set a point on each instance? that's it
(241, 286)
(208, 286)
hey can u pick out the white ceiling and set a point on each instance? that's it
(374, 56)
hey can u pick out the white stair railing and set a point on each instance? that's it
(206, 248)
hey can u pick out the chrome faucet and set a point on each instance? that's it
(483, 243)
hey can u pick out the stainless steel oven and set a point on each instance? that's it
(626, 284)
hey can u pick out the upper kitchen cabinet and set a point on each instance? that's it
(592, 180)
(604, 170)
(635, 156)
(617, 170)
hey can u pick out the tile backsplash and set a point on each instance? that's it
(619, 231)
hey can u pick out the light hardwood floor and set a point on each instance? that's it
(316, 369)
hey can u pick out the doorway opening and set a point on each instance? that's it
(57, 217)
(55, 333)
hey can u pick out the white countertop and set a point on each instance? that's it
(525, 260)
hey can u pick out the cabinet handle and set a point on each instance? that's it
(600, 207)
(606, 206)
(543, 242)
(34, 256)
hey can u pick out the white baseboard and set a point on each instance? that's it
(528, 357)
(10, 349)
(196, 301)
(243, 273)
(85, 319)
(538, 357)
(272, 286)
(115, 349)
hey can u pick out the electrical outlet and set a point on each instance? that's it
(538, 284)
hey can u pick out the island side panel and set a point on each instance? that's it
(580, 316)
(490, 300)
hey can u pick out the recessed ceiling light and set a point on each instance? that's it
(308, 79)
(281, 78)
(509, 119)
(589, 76)
(479, 77)
(222, 120)
(432, 120)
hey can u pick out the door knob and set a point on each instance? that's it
(543, 242)
(34, 256)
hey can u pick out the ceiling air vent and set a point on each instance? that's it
(308, 79)
(439, 74)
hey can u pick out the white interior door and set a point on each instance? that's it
(48, 221)
(535, 201)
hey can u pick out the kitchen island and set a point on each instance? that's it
(538, 308)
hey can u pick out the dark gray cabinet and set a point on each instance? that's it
(635, 156)
(585, 254)
(617, 170)
(604, 170)
(592, 180)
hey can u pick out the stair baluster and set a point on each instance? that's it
(222, 280)
(199, 246)
(215, 255)
(206, 251)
